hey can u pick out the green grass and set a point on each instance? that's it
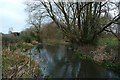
(110, 41)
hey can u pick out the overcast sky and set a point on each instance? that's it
(12, 14)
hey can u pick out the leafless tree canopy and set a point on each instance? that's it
(81, 22)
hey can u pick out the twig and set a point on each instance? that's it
(17, 70)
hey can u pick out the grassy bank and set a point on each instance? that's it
(16, 65)
(103, 54)
(108, 64)
(112, 43)
(21, 45)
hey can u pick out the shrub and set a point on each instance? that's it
(27, 37)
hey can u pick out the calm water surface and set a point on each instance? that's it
(60, 62)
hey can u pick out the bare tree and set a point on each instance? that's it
(35, 20)
(80, 21)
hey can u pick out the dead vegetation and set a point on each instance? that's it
(17, 65)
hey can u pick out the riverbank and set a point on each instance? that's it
(55, 42)
(100, 56)
(103, 54)
(13, 58)
(17, 65)
(60, 61)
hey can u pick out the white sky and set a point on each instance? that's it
(12, 14)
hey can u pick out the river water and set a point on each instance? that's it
(58, 61)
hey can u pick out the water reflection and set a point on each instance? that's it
(59, 62)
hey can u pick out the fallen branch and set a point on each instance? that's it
(17, 70)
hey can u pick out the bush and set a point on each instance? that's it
(108, 64)
(8, 39)
(27, 37)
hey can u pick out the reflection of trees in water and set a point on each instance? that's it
(52, 49)
(66, 69)
(64, 64)
(88, 69)
(67, 66)
(38, 47)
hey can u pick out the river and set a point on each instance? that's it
(58, 61)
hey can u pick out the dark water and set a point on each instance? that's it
(60, 62)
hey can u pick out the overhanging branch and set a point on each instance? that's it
(108, 24)
(113, 34)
